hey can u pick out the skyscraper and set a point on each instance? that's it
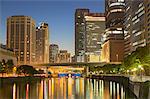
(114, 39)
(95, 27)
(135, 25)
(42, 43)
(147, 16)
(88, 34)
(21, 33)
(53, 52)
(80, 30)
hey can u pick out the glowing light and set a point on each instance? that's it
(134, 69)
(14, 91)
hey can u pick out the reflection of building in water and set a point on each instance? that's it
(65, 88)
(41, 90)
(14, 91)
(70, 83)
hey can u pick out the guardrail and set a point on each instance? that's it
(133, 78)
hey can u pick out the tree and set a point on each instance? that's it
(26, 70)
(9, 66)
(139, 57)
(3, 62)
(1, 67)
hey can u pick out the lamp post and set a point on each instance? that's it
(141, 68)
(117, 57)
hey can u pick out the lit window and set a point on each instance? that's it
(21, 52)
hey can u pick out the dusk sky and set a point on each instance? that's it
(59, 14)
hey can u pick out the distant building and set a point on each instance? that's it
(21, 37)
(95, 27)
(94, 58)
(113, 46)
(63, 57)
(73, 59)
(53, 52)
(80, 31)
(7, 54)
(42, 43)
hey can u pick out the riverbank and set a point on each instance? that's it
(141, 90)
(20, 79)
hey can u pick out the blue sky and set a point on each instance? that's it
(59, 14)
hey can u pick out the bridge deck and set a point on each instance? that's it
(77, 64)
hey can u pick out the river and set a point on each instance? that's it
(63, 88)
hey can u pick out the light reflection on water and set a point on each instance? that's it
(63, 88)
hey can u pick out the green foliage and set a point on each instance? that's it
(26, 69)
(6, 66)
(108, 68)
(9, 66)
(10, 63)
(1, 68)
(139, 57)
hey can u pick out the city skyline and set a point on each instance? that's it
(60, 33)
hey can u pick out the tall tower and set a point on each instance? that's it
(136, 25)
(95, 27)
(147, 16)
(21, 38)
(80, 29)
(113, 47)
(42, 43)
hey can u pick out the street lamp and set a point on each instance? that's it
(117, 57)
(141, 68)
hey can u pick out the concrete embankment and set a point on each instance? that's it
(140, 90)
(5, 80)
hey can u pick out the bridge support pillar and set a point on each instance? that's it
(46, 71)
(87, 71)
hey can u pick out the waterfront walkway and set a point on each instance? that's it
(133, 78)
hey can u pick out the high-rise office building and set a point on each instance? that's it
(21, 33)
(88, 34)
(135, 29)
(95, 27)
(113, 48)
(53, 52)
(114, 39)
(42, 43)
(63, 57)
(80, 30)
(147, 25)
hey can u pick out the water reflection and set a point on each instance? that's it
(63, 88)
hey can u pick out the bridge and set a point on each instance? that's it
(84, 66)
(76, 64)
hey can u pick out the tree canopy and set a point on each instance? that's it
(26, 69)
